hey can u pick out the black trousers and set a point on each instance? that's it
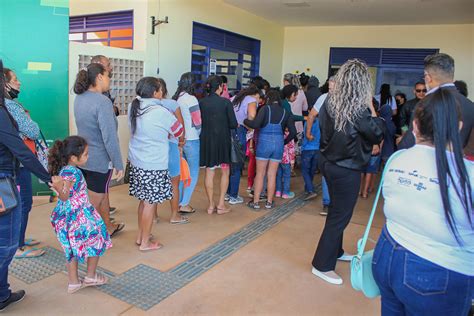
(343, 185)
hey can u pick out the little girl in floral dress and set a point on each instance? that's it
(79, 228)
(283, 177)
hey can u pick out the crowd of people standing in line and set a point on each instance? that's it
(347, 134)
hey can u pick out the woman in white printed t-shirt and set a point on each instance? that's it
(424, 259)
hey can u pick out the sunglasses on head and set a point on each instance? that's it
(420, 90)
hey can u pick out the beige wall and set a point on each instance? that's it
(308, 47)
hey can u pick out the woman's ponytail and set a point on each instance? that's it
(134, 113)
(87, 77)
(213, 83)
(82, 83)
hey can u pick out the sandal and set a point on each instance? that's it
(73, 288)
(269, 205)
(30, 242)
(99, 279)
(222, 211)
(29, 253)
(187, 212)
(211, 210)
(364, 196)
(151, 246)
(150, 238)
(183, 220)
(117, 229)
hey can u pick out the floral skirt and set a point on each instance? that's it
(151, 186)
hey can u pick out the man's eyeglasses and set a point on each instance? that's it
(421, 90)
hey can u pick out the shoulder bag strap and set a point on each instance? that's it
(363, 241)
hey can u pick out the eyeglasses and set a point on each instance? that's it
(421, 90)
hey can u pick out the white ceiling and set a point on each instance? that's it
(360, 12)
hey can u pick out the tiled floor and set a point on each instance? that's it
(241, 263)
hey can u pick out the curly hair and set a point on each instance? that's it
(352, 93)
(62, 151)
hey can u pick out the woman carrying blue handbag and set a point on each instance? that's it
(423, 263)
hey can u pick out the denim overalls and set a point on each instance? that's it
(271, 140)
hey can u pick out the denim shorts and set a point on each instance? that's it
(174, 161)
(270, 147)
(374, 165)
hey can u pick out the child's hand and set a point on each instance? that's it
(56, 184)
(309, 136)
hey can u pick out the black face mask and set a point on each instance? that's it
(13, 93)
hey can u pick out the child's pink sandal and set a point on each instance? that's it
(96, 281)
(73, 288)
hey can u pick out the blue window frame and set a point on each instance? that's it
(400, 67)
(237, 56)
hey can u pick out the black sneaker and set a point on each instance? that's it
(263, 196)
(310, 196)
(269, 205)
(253, 206)
(15, 297)
(325, 211)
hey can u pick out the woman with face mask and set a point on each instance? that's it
(29, 132)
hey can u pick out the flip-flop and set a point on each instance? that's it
(188, 212)
(118, 229)
(222, 211)
(30, 242)
(73, 288)
(151, 248)
(149, 238)
(28, 254)
(212, 210)
(183, 220)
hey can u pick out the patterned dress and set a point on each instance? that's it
(79, 228)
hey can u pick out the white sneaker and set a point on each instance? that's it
(236, 200)
(330, 276)
(346, 257)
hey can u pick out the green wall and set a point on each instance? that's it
(38, 31)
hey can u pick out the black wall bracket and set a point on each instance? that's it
(155, 23)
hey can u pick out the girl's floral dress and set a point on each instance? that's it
(79, 228)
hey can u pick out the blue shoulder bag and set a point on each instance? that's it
(362, 278)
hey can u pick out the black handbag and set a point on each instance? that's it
(237, 155)
(126, 178)
(8, 197)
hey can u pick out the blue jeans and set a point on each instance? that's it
(9, 236)
(411, 285)
(326, 198)
(309, 165)
(236, 171)
(283, 178)
(26, 193)
(191, 154)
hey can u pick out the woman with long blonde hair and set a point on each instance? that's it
(349, 129)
